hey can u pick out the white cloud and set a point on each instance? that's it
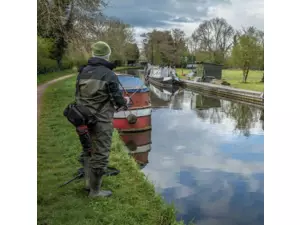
(240, 13)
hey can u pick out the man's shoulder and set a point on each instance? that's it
(98, 73)
(104, 70)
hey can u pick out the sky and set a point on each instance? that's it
(185, 14)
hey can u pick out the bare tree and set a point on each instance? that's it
(63, 20)
(179, 44)
(214, 36)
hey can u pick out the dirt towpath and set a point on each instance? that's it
(41, 89)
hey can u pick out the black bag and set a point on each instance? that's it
(79, 115)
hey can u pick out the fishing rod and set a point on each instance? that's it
(130, 96)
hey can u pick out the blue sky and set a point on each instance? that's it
(185, 14)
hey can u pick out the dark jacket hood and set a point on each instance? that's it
(94, 61)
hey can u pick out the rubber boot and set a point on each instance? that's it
(86, 173)
(95, 185)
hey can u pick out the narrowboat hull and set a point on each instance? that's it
(142, 123)
(134, 88)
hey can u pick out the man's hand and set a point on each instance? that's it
(127, 105)
(127, 100)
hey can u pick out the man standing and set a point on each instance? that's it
(97, 89)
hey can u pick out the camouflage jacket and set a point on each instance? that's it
(97, 88)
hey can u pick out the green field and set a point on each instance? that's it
(234, 77)
(43, 78)
(134, 201)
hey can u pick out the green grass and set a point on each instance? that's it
(43, 78)
(134, 201)
(234, 77)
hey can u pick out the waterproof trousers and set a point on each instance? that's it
(96, 144)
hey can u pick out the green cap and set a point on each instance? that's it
(101, 49)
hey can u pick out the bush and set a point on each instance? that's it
(66, 63)
(46, 64)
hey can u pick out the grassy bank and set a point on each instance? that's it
(43, 78)
(234, 77)
(134, 201)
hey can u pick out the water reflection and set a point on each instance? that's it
(209, 109)
(207, 157)
(138, 145)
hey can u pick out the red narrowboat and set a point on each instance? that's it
(138, 115)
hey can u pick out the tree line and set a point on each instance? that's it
(214, 41)
(67, 28)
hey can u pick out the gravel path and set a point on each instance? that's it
(41, 89)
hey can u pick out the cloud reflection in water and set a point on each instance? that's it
(213, 171)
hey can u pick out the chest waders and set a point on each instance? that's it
(84, 121)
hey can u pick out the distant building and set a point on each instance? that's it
(209, 71)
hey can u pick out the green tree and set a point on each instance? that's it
(247, 51)
(132, 52)
(159, 47)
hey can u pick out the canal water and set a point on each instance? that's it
(206, 156)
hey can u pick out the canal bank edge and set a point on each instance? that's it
(134, 200)
(242, 95)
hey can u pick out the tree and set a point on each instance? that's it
(132, 52)
(247, 51)
(60, 20)
(214, 36)
(159, 47)
(118, 35)
(179, 45)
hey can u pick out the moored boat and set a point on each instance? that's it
(138, 115)
(162, 76)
